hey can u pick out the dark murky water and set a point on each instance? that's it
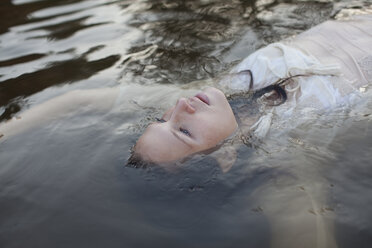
(64, 184)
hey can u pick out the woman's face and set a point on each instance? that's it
(194, 124)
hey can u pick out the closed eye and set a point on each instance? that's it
(184, 131)
(161, 120)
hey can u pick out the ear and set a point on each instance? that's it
(226, 157)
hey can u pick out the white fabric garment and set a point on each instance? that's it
(337, 56)
(337, 53)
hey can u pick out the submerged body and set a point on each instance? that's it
(333, 59)
(325, 66)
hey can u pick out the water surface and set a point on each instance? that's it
(63, 183)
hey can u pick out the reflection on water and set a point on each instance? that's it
(53, 75)
(64, 183)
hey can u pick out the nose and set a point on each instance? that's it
(183, 106)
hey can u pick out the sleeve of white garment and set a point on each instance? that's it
(277, 61)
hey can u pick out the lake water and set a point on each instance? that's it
(63, 182)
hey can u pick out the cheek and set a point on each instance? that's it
(211, 132)
(217, 128)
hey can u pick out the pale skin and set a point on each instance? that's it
(194, 124)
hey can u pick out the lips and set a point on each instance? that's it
(202, 97)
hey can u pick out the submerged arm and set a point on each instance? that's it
(67, 104)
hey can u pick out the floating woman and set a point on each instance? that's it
(319, 69)
(322, 68)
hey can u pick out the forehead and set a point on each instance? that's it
(160, 144)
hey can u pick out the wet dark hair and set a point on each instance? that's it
(278, 87)
(137, 161)
(246, 104)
